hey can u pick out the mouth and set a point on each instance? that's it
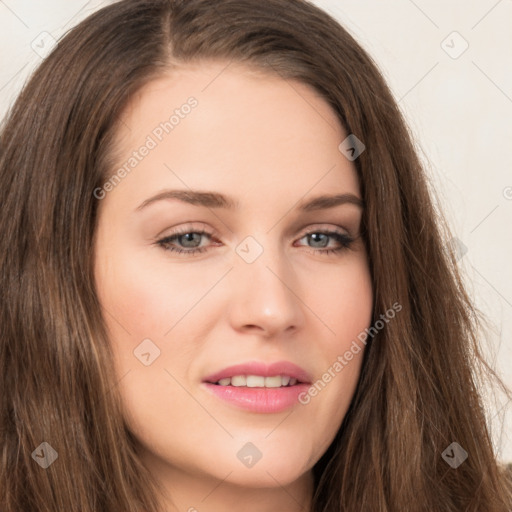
(258, 387)
(258, 381)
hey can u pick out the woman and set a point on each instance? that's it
(224, 280)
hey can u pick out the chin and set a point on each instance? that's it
(269, 475)
(258, 462)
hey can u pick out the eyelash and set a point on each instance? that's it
(345, 241)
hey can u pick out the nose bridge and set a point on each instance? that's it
(264, 285)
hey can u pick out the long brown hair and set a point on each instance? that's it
(418, 390)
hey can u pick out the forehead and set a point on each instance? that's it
(247, 130)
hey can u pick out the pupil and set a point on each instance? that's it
(315, 235)
(189, 238)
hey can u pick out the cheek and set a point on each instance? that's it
(148, 296)
(346, 306)
(342, 300)
(143, 300)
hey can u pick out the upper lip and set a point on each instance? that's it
(263, 369)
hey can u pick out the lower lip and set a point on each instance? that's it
(261, 400)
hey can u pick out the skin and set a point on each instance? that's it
(268, 143)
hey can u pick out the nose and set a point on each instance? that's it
(265, 295)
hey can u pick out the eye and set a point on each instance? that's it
(189, 239)
(189, 242)
(320, 239)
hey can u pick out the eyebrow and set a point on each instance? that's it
(217, 200)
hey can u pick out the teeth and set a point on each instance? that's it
(258, 381)
(273, 382)
(239, 380)
(254, 381)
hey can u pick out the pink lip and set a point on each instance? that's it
(260, 400)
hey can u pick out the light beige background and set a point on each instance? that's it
(458, 102)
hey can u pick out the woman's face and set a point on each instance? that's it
(262, 294)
